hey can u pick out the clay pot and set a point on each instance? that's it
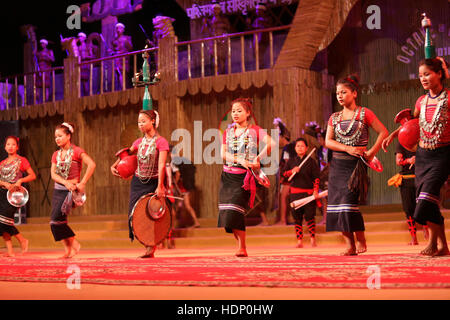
(409, 133)
(127, 165)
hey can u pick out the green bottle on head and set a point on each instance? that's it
(430, 50)
(147, 102)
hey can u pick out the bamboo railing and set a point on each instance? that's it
(111, 73)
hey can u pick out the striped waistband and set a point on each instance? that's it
(61, 187)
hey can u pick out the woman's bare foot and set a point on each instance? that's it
(241, 253)
(313, 242)
(24, 245)
(299, 244)
(414, 241)
(150, 253)
(9, 254)
(430, 250)
(361, 247)
(349, 252)
(76, 246)
(65, 256)
(442, 252)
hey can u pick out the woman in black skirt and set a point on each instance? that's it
(12, 175)
(151, 153)
(433, 153)
(66, 172)
(237, 184)
(348, 136)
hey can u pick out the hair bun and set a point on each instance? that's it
(69, 126)
(354, 78)
(444, 67)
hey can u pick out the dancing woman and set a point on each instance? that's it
(433, 153)
(348, 136)
(237, 185)
(66, 168)
(11, 176)
(151, 153)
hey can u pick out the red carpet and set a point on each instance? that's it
(302, 271)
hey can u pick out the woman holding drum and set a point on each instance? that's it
(151, 151)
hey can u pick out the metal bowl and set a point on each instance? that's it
(156, 207)
(17, 196)
(79, 198)
(375, 164)
(261, 177)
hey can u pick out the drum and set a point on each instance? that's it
(151, 220)
(261, 177)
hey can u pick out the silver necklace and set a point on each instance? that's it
(63, 165)
(350, 126)
(341, 135)
(8, 171)
(431, 132)
(240, 141)
(144, 157)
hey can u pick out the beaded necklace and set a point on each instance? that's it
(63, 165)
(237, 143)
(145, 157)
(341, 135)
(431, 132)
(8, 171)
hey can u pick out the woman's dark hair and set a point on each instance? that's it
(149, 113)
(67, 127)
(12, 137)
(436, 65)
(351, 82)
(301, 139)
(246, 103)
